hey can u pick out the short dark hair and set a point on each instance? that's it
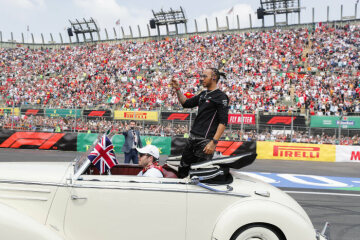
(133, 121)
(217, 74)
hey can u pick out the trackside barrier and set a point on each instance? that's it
(71, 141)
(174, 146)
(224, 147)
(163, 143)
(38, 140)
(85, 140)
(348, 153)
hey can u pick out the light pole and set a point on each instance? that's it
(242, 113)
(341, 116)
(242, 102)
(292, 126)
(13, 109)
(75, 120)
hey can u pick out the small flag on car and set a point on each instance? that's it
(103, 155)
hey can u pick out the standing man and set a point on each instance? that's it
(209, 123)
(132, 141)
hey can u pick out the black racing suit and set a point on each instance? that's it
(213, 110)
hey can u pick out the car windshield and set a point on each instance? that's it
(79, 161)
(81, 164)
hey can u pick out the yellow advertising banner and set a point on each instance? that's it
(4, 111)
(295, 151)
(136, 115)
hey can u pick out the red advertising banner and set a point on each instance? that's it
(236, 119)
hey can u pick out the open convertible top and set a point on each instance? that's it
(236, 162)
(215, 171)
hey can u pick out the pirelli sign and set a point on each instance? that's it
(295, 151)
(136, 115)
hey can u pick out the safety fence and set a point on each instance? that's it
(81, 142)
(76, 119)
(288, 127)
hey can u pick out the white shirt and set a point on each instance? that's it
(152, 172)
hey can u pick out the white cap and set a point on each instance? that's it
(150, 149)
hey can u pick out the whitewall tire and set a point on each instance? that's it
(257, 232)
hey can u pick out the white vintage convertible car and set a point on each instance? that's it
(71, 201)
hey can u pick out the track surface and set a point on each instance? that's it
(340, 208)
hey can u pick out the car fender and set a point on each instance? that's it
(293, 225)
(17, 226)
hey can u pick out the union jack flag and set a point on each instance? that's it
(103, 155)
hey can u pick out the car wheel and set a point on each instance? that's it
(257, 232)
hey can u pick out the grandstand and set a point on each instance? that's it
(300, 70)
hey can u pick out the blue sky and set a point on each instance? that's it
(51, 16)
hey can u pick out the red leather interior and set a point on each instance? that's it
(121, 169)
(168, 172)
(130, 169)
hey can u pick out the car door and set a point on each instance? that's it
(126, 207)
(204, 209)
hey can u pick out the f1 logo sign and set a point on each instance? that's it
(43, 140)
(227, 147)
(178, 116)
(96, 113)
(280, 120)
(31, 112)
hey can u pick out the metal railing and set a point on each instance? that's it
(180, 128)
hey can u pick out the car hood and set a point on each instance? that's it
(49, 172)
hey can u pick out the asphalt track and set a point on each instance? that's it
(338, 207)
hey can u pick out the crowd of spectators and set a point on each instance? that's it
(296, 137)
(313, 68)
(44, 123)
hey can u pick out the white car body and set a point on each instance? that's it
(43, 201)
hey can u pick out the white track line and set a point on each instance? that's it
(326, 193)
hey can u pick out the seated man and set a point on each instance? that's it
(148, 159)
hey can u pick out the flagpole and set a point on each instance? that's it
(118, 23)
(27, 34)
(233, 19)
